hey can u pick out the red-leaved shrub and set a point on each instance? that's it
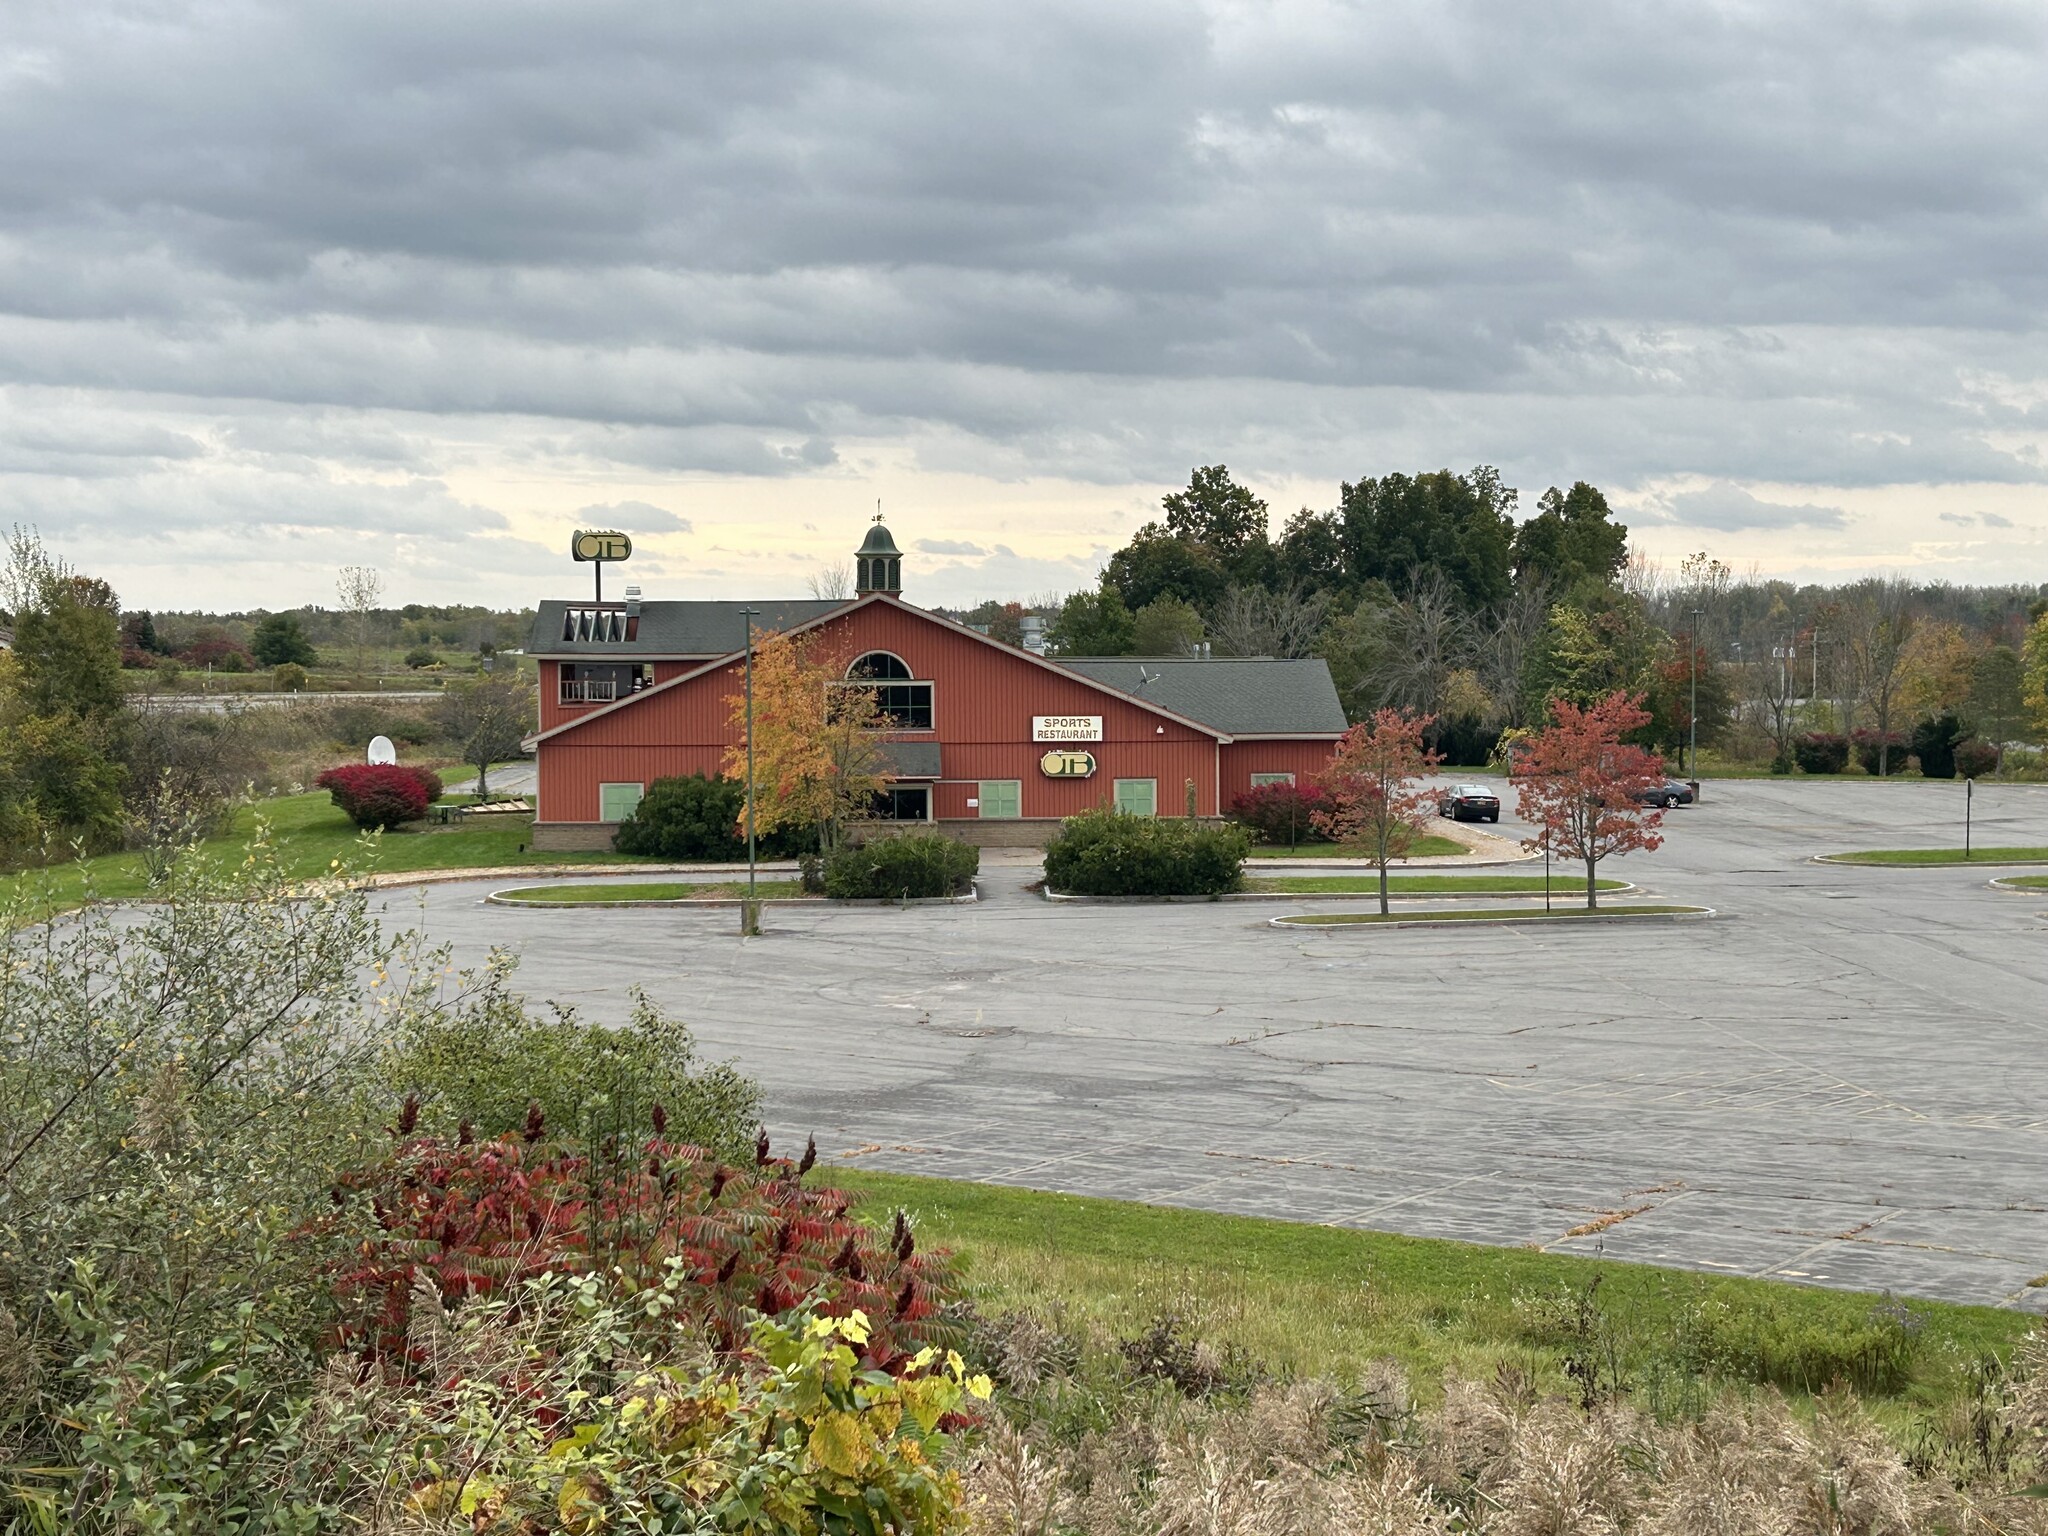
(375, 794)
(1281, 813)
(430, 781)
(479, 1217)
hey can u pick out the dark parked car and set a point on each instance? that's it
(1667, 794)
(1469, 802)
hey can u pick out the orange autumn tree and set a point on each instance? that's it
(1376, 803)
(818, 755)
(1583, 786)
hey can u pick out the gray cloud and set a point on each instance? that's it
(949, 547)
(254, 249)
(633, 517)
(1974, 519)
(1729, 508)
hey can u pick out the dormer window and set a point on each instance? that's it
(906, 701)
(597, 626)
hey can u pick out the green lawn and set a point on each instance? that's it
(1478, 915)
(1325, 1301)
(2027, 882)
(1424, 885)
(1917, 856)
(1427, 847)
(310, 835)
(653, 890)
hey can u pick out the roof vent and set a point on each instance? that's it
(632, 602)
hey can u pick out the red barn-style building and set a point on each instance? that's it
(989, 743)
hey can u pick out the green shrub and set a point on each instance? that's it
(917, 864)
(1821, 752)
(1106, 853)
(289, 677)
(1741, 1337)
(419, 656)
(486, 1065)
(687, 818)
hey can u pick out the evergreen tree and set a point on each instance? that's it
(279, 638)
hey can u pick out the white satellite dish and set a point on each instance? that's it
(381, 750)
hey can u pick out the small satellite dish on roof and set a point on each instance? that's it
(381, 750)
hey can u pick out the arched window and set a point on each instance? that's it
(907, 703)
(881, 666)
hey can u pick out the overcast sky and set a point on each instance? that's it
(425, 286)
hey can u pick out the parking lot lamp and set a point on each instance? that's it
(750, 912)
(1692, 716)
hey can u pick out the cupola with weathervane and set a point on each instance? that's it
(878, 564)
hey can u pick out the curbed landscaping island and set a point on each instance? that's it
(1913, 858)
(1486, 915)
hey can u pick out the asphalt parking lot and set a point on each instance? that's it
(1838, 1080)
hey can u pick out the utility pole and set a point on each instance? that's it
(1692, 717)
(750, 910)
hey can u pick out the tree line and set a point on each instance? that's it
(1426, 593)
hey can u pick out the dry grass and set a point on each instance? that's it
(1494, 1458)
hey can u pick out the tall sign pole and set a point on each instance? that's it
(750, 920)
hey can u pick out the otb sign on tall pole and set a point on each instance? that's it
(599, 547)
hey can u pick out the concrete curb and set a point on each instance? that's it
(1839, 861)
(1621, 890)
(2003, 884)
(1517, 921)
(505, 898)
(1412, 866)
(562, 871)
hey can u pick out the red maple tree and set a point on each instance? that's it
(1578, 781)
(1374, 802)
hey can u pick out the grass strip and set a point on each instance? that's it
(1428, 847)
(310, 834)
(2025, 882)
(640, 893)
(1423, 885)
(1926, 856)
(1323, 1300)
(1477, 915)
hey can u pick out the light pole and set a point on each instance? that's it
(1692, 719)
(750, 911)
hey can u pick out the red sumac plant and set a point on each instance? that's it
(479, 1217)
(376, 794)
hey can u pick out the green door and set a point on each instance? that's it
(1001, 799)
(615, 802)
(1138, 797)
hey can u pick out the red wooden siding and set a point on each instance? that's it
(1242, 759)
(554, 712)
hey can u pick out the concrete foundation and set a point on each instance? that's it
(573, 836)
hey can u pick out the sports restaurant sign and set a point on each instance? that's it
(1066, 727)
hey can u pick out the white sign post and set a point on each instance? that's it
(1066, 727)
(381, 750)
